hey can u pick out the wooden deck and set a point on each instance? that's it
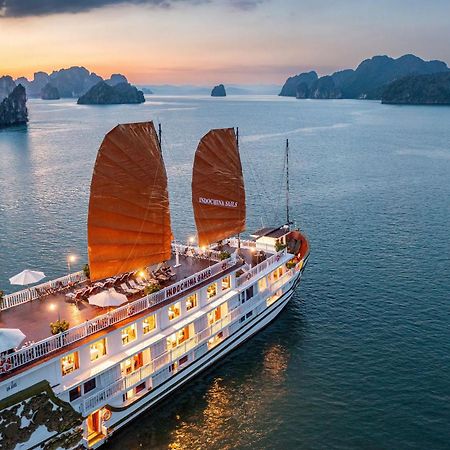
(186, 263)
(33, 318)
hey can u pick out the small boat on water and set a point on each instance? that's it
(149, 313)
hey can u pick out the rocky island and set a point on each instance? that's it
(322, 88)
(13, 109)
(431, 89)
(7, 85)
(302, 81)
(219, 91)
(50, 92)
(70, 83)
(104, 94)
(367, 81)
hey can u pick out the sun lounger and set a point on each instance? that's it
(127, 289)
(134, 285)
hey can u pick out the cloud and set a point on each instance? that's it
(246, 4)
(27, 8)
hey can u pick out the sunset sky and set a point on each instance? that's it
(209, 41)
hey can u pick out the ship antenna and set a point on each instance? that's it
(160, 137)
(288, 219)
(237, 144)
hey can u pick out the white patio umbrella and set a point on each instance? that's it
(27, 277)
(10, 338)
(107, 298)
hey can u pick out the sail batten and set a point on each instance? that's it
(218, 193)
(129, 219)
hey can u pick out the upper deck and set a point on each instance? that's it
(196, 268)
(33, 317)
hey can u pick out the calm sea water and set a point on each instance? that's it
(360, 357)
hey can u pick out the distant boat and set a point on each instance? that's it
(187, 305)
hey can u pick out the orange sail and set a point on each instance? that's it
(218, 193)
(129, 218)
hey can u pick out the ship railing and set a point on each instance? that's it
(53, 343)
(104, 395)
(282, 280)
(245, 243)
(248, 275)
(196, 252)
(129, 381)
(32, 293)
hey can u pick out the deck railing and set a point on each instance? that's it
(32, 293)
(194, 251)
(247, 276)
(53, 343)
(245, 243)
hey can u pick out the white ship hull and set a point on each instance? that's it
(210, 358)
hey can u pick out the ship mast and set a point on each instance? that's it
(237, 144)
(160, 137)
(288, 219)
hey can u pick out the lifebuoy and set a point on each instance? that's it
(106, 415)
(249, 275)
(130, 310)
(5, 365)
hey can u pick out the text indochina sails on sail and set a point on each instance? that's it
(218, 192)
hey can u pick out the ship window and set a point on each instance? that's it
(277, 273)
(178, 338)
(172, 341)
(242, 319)
(211, 290)
(131, 364)
(128, 395)
(140, 387)
(98, 349)
(262, 284)
(75, 393)
(226, 282)
(183, 335)
(191, 302)
(174, 311)
(149, 324)
(214, 315)
(274, 298)
(69, 363)
(249, 314)
(183, 360)
(249, 292)
(129, 334)
(89, 385)
(215, 340)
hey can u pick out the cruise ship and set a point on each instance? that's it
(97, 348)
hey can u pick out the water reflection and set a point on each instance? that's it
(235, 409)
(237, 404)
(275, 363)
